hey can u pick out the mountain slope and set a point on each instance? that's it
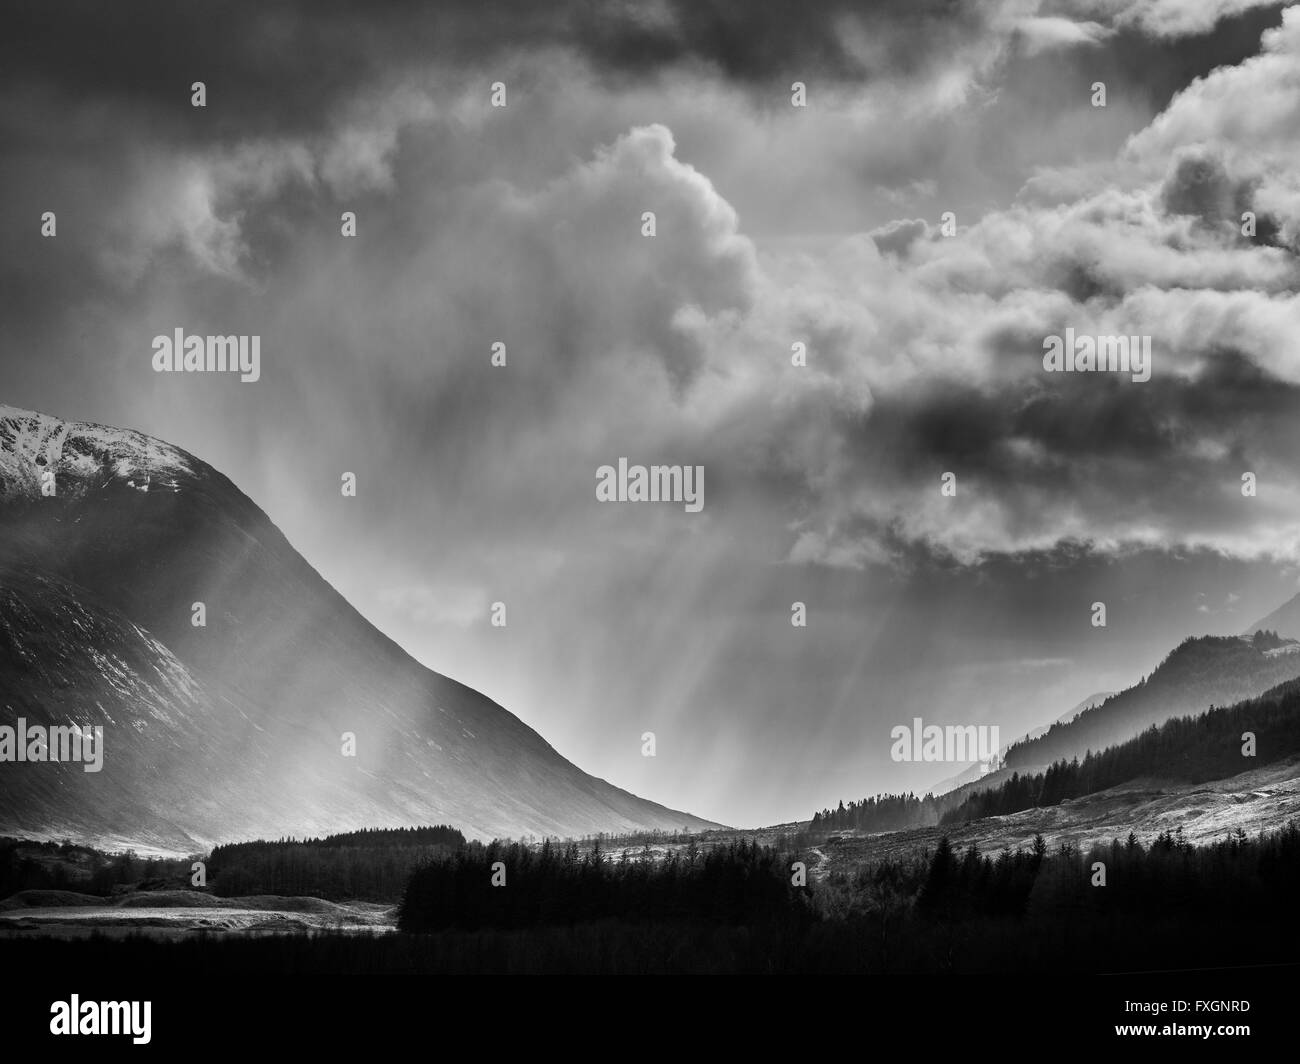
(234, 729)
(1261, 799)
(1285, 620)
(1199, 673)
(976, 773)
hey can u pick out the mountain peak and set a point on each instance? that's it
(1202, 671)
(1285, 620)
(281, 712)
(81, 457)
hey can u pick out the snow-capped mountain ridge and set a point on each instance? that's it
(84, 454)
(237, 727)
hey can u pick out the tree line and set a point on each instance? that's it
(503, 885)
(884, 812)
(1194, 749)
(1199, 672)
(29, 865)
(371, 864)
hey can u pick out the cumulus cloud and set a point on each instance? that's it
(923, 347)
(1048, 32)
(775, 226)
(1178, 18)
(898, 236)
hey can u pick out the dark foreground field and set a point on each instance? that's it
(1169, 906)
(1052, 945)
(734, 907)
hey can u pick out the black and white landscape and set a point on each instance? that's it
(652, 487)
(232, 730)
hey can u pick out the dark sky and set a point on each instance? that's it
(774, 224)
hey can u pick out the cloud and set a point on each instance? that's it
(897, 237)
(1050, 32)
(1179, 18)
(923, 348)
(774, 226)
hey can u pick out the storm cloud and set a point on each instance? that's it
(775, 225)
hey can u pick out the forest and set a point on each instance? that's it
(371, 865)
(510, 885)
(1212, 745)
(1199, 672)
(28, 865)
(1193, 749)
(1122, 906)
(884, 812)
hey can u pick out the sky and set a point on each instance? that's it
(775, 224)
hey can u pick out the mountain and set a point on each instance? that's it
(1285, 620)
(235, 729)
(1207, 746)
(1265, 798)
(1065, 718)
(1197, 674)
(976, 772)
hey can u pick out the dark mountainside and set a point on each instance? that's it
(1199, 673)
(1190, 749)
(233, 730)
(975, 772)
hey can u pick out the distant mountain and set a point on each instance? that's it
(1199, 673)
(235, 729)
(1195, 749)
(976, 772)
(1065, 718)
(1265, 798)
(1285, 620)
